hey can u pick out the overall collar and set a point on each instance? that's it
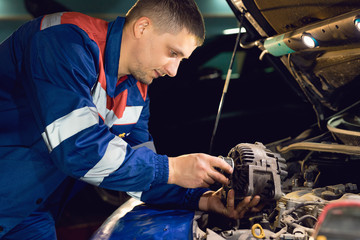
(112, 57)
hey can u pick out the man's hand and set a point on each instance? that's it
(197, 170)
(211, 202)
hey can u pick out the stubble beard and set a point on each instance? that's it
(142, 77)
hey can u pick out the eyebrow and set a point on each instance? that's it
(179, 52)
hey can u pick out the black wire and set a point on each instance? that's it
(226, 84)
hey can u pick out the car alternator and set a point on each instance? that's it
(257, 171)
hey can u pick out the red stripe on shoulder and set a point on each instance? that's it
(96, 30)
(121, 79)
(143, 89)
(117, 104)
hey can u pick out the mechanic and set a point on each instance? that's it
(74, 105)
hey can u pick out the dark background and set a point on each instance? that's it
(260, 105)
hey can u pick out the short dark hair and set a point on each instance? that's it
(170, 16)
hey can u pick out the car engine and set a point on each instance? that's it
(294, 183)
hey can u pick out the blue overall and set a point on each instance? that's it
(65, 113)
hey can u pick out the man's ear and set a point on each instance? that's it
(140, 26)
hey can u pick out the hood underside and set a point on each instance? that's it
(327, 72)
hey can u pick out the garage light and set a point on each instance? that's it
(233, 31)
(357, 23)
(309, 41)
(342, 30)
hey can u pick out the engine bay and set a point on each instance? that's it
(309, 182)
(295, 188)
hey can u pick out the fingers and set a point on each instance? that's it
(216, 162)
(229, 209)
(258, 206)
(244, 203)
(254, 203)
(219, 163)
(218, 177)
(208, 181)
(197, 170)
(230, 201)
(240, 209)
(248, 204)
(212, 202)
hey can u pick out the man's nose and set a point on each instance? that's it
(171, 67)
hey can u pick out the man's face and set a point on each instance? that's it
(160, 54)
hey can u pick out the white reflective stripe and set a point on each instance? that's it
(99, 99)
(110, 118)
(136, 195)
(113, 158)
(130, 115)
(51, 20)
(69, 125)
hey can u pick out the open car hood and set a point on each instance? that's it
(328, 73)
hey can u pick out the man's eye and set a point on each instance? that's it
(173, 53)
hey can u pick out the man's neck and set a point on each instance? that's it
(125, 46)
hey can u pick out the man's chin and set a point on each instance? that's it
(146, 81)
